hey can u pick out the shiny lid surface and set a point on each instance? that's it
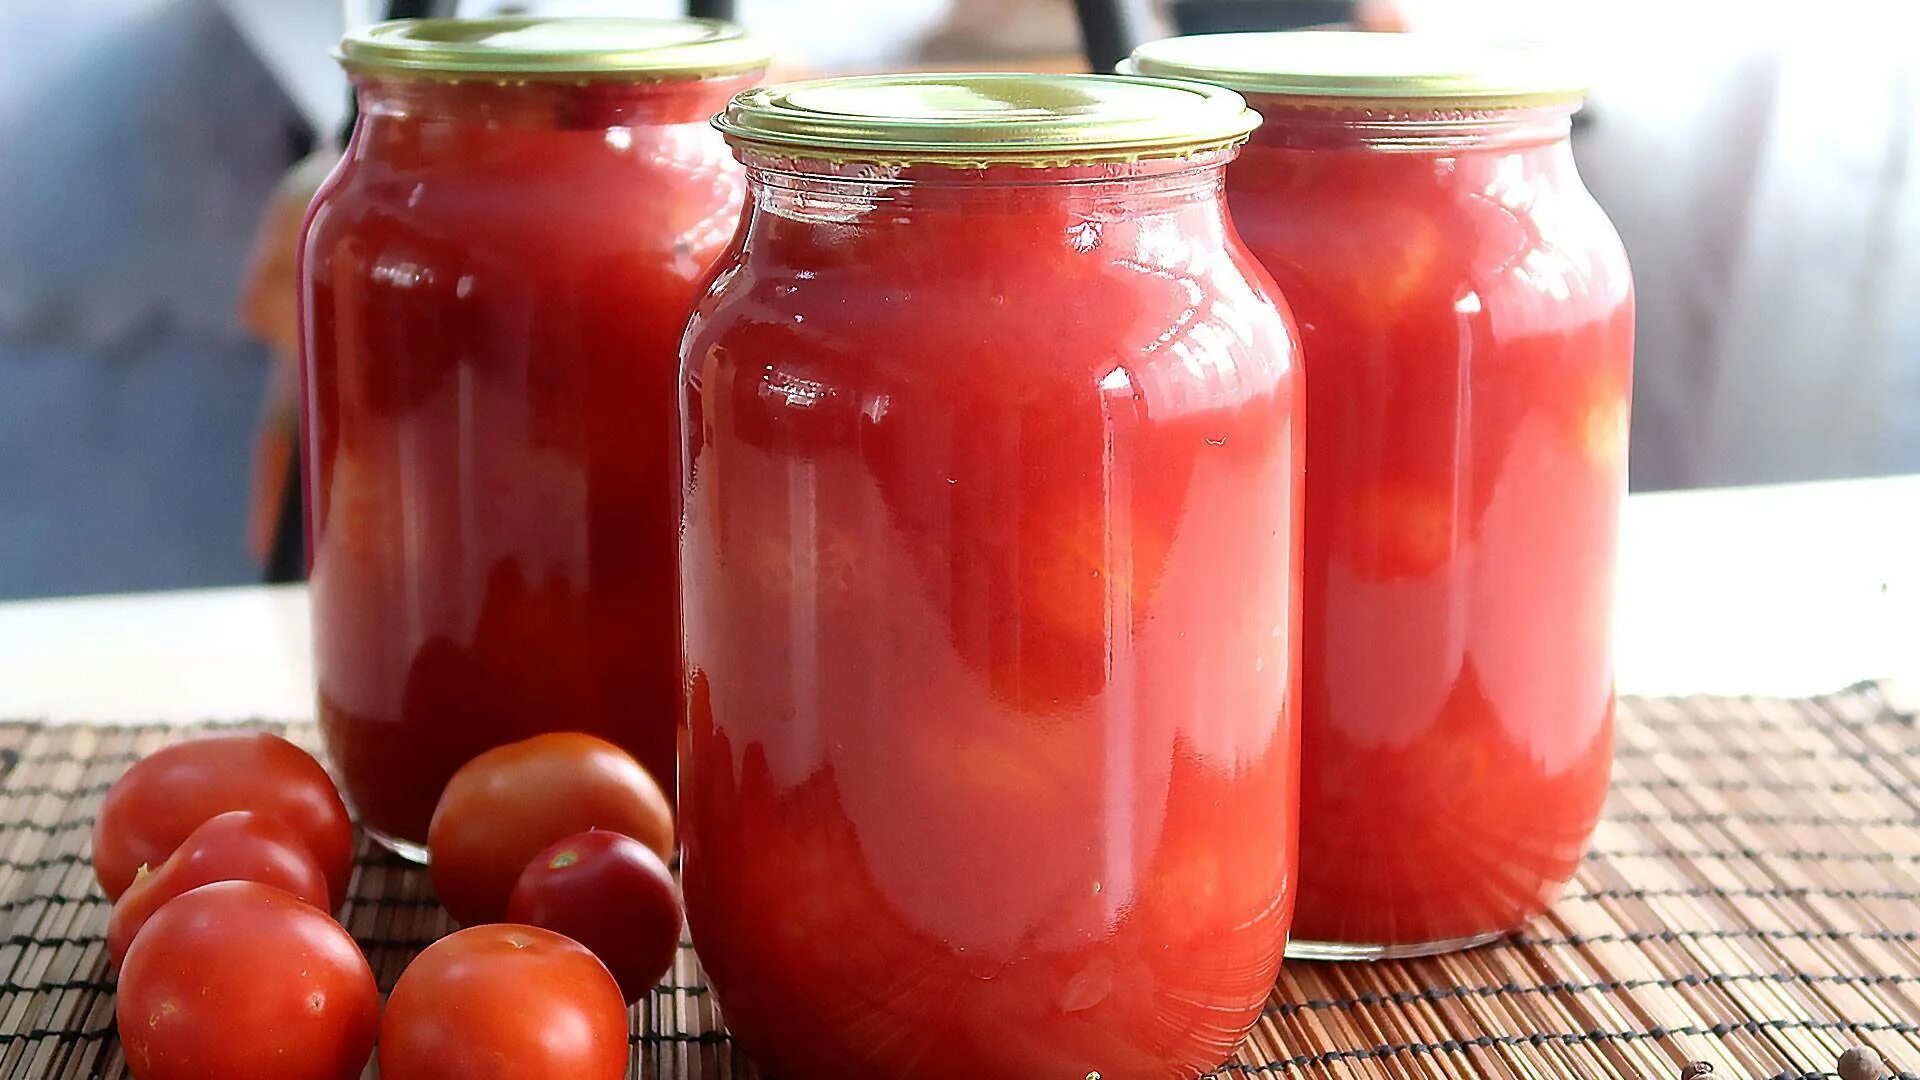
(534, 48)
(987, 118)
(1365, 66)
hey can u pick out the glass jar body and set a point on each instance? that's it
(990, 541)
(494, 285)
(1467, 319)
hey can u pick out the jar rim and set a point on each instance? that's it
(1347, 66)
(987, 118)
(586, 48)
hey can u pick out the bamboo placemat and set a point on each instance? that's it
(1753, 900)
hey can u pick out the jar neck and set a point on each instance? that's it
(1296, 123)
(551, 105)
(1044, 198)
(1374, 145)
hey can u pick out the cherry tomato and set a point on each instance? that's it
(504, 1002)
(238, 845)
(242, 981)
(610, 893)
(504, 806)
(168, 794)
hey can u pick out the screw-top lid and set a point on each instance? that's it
(987, 119)
(553, 48)
(1355, 65)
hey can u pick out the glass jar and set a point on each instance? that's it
(992, 470)
(493, 286)
(1467, 319)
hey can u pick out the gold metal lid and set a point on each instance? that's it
(553, 48)
(985, 119)
(1355, 65)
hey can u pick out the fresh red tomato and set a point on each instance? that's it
(610, 893)
(242, 981)
(504, 1002)
(169, 793)
(504, 806)
(238, 845)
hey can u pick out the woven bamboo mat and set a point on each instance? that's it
(1753, 900)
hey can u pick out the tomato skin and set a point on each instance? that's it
(505, 806)
(504, 1002)
(242, 981)
(238, 845)
(610, 893)
(169, 793)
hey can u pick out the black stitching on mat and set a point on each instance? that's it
(56, 758)
(641, 1038)
(377, 859)
(1652, 722)
(354, 903)
(37, 791)
(1689, 783)
(103, 985)
(1629, 752)
(58, 1036)
(1758, 855)
(42, 828)
(57, 941)
(1610, 986)
(20, 903)
(1683, 713)
(1719, 1030)
(44, 862)
(60, 941)
(94, 984)
(1778, 893)
(1735, 817)
(183, 732)
(391, 903)
(1642, 936)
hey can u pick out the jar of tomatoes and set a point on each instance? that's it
(1467, 319)
(494, 281)
(991, 486)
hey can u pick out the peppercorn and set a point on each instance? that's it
(1861, 1063)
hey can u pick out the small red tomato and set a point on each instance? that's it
(504, 1002)
(610, 893)
(242, 981)
(503, 807)
(238, 845)
(169, 793)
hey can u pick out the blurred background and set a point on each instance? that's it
(1760, 160)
